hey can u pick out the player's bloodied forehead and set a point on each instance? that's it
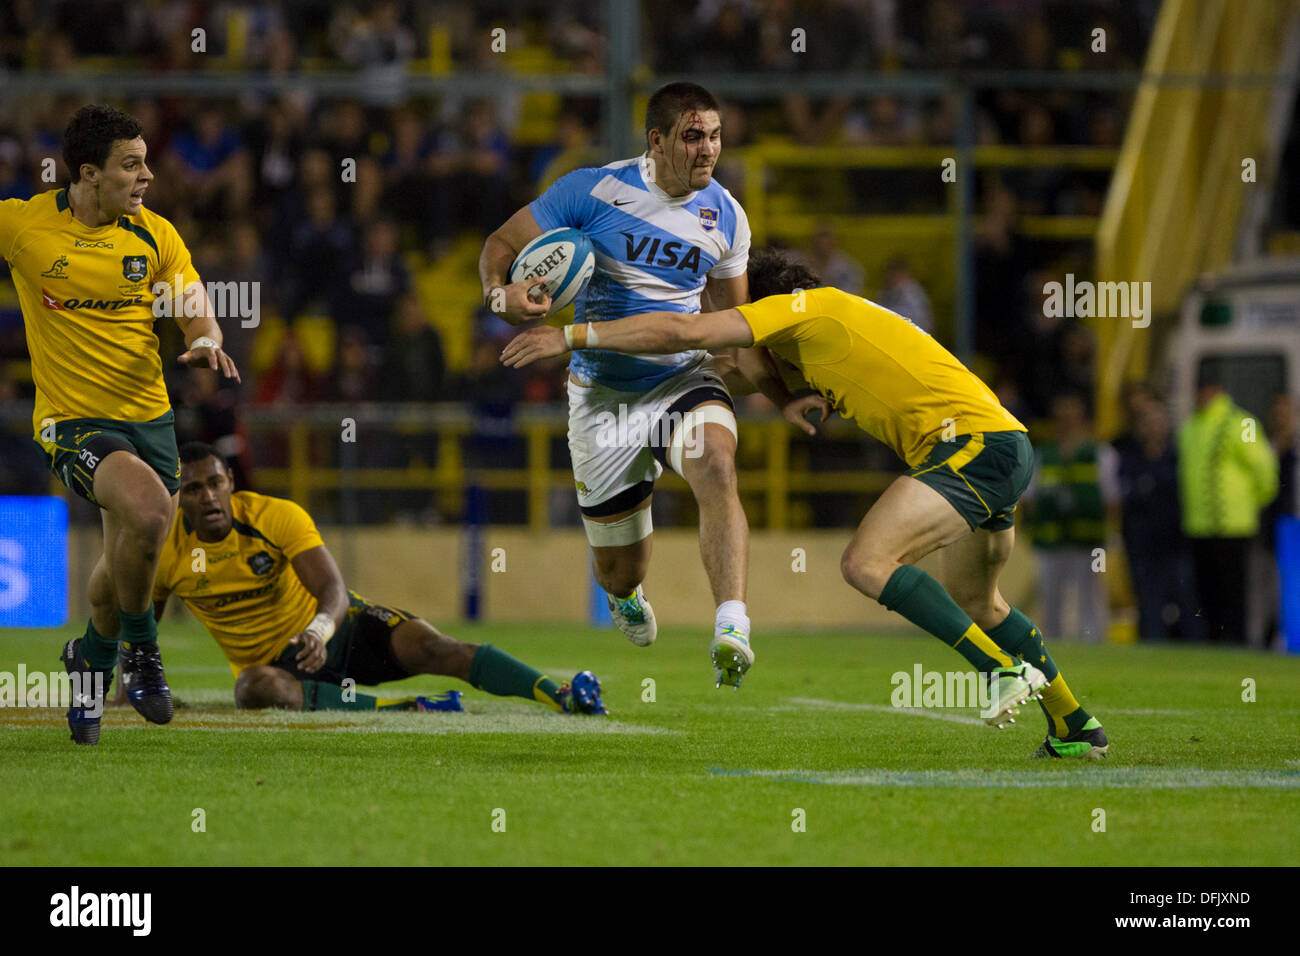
(697, 126)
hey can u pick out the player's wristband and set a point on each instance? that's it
(321, 626)
(491, 293)
(580, 336)
(203, 342)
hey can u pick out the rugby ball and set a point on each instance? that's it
(563, 259)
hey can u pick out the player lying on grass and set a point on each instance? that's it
(86, 261)
(969, 461)
(254, 571)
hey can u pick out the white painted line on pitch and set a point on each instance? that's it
(496, 720)
(1082, 778)
(813, 703)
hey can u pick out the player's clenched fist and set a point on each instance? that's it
(520, 301)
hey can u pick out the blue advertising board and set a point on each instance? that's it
(33, 561)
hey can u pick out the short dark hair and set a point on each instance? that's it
(670, 101)
(90, 136)
(193, 451)
(776, 272)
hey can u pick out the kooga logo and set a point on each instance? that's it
(102, 909)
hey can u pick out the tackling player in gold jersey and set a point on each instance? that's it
(94, 270)
(969, 462)
(254, 571)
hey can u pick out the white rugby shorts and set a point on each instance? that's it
(618, 440)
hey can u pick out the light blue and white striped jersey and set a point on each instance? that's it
(653, 254)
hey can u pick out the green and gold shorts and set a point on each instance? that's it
(80, 444)
(982, 475)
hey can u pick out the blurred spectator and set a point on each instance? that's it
(14, 183)
(574, 148)
(275, 143)
(1037, 187)
(1227, 473)
(1008, 393)
(828, 261)
(1133, 398)
(208, 411)
(1283, 437)
(372, 283)
(1067, 523)
(1159, 556)
(22, 471)
(377, 40)
(1285, 441)
(1002, 260)
(367, 193)
(481, 163)
(723, 37)
(318, 252)
(246, 262)
(288, 380)
(353, 378)
(409, 173)
(210, 159)
(885, 121)
(904, 295)
(414, 368)
(347, 133)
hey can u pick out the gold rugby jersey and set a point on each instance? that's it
(895, 381)
(87, 301)
(247, 596)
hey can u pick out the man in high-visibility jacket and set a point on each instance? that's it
(1227, 473)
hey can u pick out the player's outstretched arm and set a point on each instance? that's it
(198, 320)
(651, 333)
(321, 577)
(510, 300)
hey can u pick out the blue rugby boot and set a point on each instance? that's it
(89, 692)
(144, 681)
(582, 695)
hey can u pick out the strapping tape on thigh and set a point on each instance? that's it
(613, 534)
(705, 414)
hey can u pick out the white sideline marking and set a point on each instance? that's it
(496, 719)
(814, 703)
(1125, 778)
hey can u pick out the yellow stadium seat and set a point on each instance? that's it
(316, 335)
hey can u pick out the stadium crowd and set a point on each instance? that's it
(254, 184)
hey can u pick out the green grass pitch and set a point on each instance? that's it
(1196, 775)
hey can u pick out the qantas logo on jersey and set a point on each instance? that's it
(106, 305)
(659, 253)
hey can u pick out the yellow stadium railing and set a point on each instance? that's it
(768, 440)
